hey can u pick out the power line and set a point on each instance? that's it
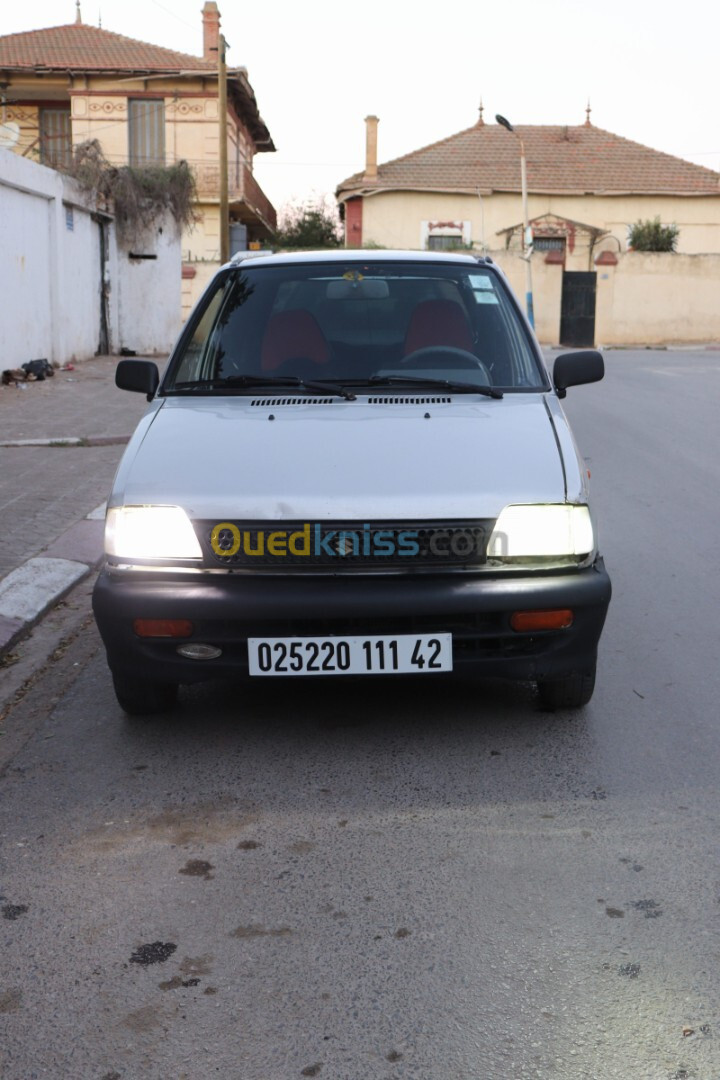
(174, 15)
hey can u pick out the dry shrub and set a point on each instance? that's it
(140, 197)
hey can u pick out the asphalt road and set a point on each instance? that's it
(412, 882)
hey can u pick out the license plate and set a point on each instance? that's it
(403, 654)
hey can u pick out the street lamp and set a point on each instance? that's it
(527, 237)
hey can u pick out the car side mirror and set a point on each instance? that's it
(139, 375)
(576, 368)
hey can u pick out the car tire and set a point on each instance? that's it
(142, 697)
(571, 692)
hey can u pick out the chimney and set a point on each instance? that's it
(211, 30)
(371, 126)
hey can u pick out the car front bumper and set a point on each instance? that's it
(227, 609)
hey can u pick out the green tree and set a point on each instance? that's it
(652, 236)
(310, 225)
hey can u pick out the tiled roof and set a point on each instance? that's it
(81, 48)
(583, 159)
(77, 47)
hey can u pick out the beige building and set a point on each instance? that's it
(586, 187)
(146, 105)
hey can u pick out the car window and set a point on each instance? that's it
(352, 322)
(196, 349)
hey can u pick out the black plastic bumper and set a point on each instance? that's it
(227, 609)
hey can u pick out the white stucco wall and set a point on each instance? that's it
(77, 326)
(50, 274)
(28, 273)
(26, 320)
(49, 266)
(149, 292)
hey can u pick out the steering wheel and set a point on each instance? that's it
(427, 358)
(303, 367)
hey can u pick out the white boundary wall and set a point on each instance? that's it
(50, 274)
(149, 292)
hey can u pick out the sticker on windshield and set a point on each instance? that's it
(483, 288)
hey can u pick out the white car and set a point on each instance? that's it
(355, 464)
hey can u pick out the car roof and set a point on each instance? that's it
(360, 255)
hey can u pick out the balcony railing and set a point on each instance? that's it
(256, 197)
(242, 188)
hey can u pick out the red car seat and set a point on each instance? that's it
(292, 335)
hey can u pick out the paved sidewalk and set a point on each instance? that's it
(60, 443)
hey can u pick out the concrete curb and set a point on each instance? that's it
(62, 441)
(28, 592)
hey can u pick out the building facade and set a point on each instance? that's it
(145, 105)
(586, 188)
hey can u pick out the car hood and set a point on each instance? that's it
(379, 458)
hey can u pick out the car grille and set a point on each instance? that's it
(344, 546)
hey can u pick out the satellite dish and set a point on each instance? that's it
(9, 134)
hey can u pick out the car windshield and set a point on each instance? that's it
(356, 324)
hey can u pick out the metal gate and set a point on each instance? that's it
(577, 313)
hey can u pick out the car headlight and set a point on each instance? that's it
(544, 531)
(150, 532)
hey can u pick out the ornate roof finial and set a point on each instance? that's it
(481, 122)
(99, 19)
(78, 16)
(587, 114)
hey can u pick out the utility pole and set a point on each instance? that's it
(222, 135)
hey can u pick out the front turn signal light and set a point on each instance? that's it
(525, 621)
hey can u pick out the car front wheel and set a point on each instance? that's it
(142, 697)
(570, 692)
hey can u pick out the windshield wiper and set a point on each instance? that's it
(292, 381)
(447, 384)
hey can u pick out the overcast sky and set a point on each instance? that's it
(318, 67)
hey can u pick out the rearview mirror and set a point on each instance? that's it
(139, 375)
(577, 368)
(357, 288)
